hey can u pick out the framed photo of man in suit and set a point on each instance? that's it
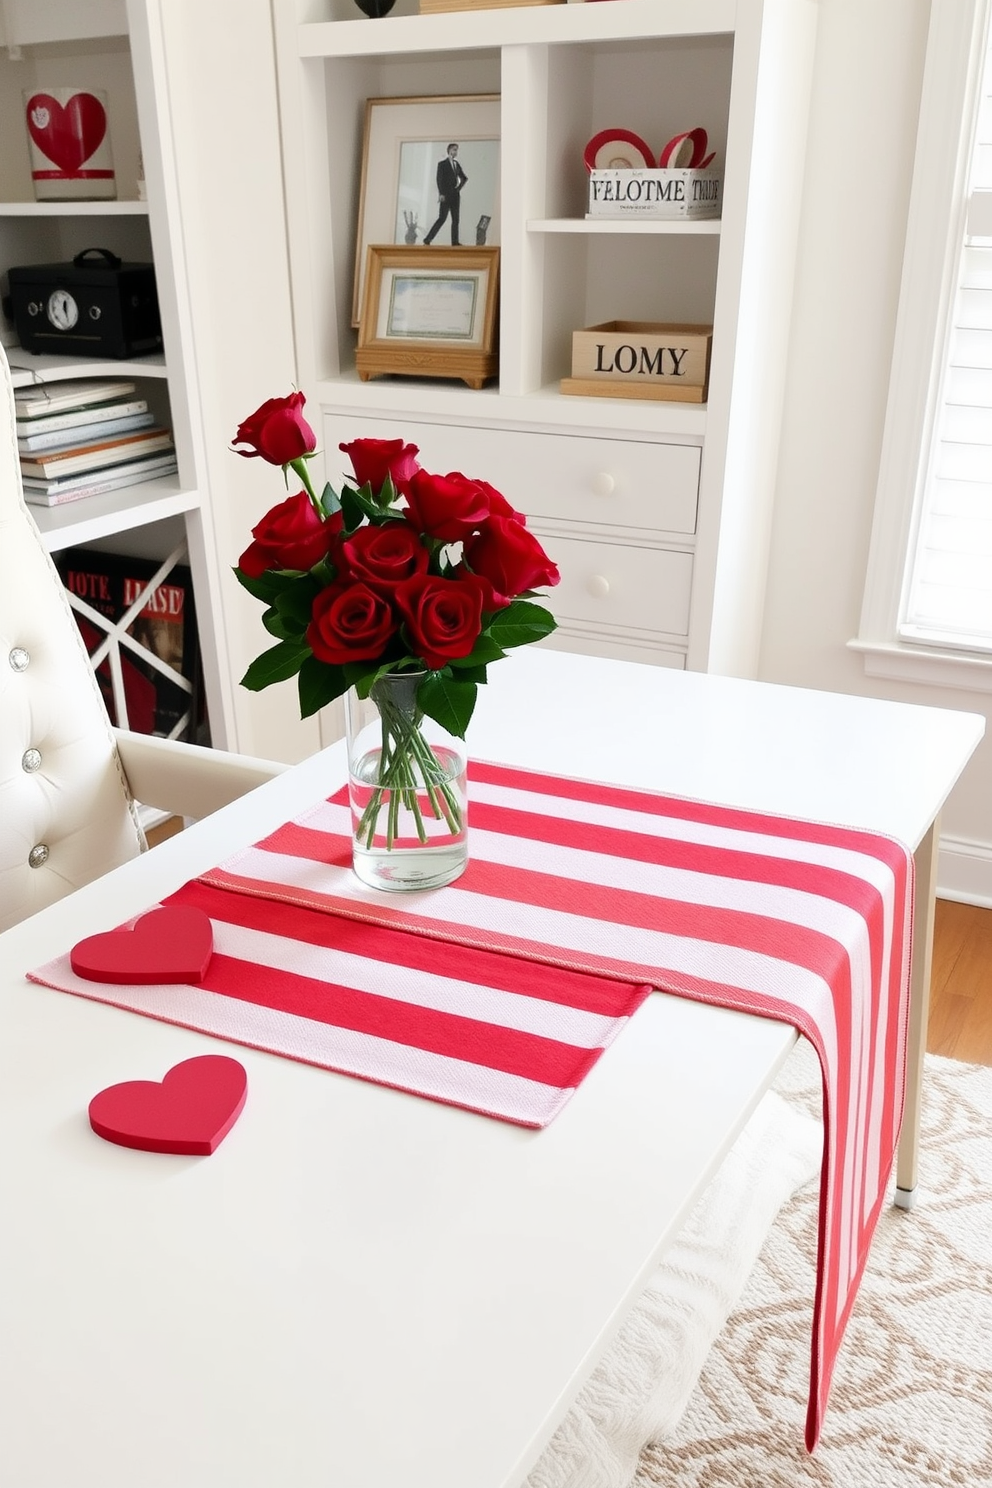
(430, 176)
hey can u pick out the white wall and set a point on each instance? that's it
(226, 134)
(865, 103)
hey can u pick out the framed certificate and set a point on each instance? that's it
(429, 312)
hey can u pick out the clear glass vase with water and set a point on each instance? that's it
(407, 789)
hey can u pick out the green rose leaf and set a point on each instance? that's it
(448, 700)
(269, 585)
(276, 625)
(357, 505)
(483, 652)
(330, 501)
(294, 606)
(352, 509)
(387, 496)
(275, 665)
(468, 673)
(319, 684)
(361, 674)
(323, 573)
(520, 623)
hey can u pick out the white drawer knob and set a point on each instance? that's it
(603, 484)
(598, 586)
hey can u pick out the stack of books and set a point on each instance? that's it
(78, 438)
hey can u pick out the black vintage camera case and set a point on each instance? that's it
(95, 306)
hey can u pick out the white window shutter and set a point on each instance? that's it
(950, 591)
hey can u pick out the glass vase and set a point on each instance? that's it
(407, 788)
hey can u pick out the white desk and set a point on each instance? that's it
(363, 1289)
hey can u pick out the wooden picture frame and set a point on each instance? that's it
(430, 312)
(405, 140)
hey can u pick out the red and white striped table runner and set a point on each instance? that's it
(504, 988)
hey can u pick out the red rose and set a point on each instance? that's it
(448, 507)
(443, 616)
(382, 556)
(277, 431)
(291, 535)
(498, 504)
(349, 623)
(373, 459)
(510, 558)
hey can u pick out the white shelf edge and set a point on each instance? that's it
(74, 209)
(44, 21)
(110, 512)
(661, 418)
(42, 369)
(678, 225)
(547, 408)
(479, 29)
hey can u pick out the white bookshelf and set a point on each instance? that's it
(638, 581)
(115, 46)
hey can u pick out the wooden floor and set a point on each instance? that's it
(960, 988)
(961, 983)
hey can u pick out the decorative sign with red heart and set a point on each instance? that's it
(67, 134)
(191, 1111)
(173, 944)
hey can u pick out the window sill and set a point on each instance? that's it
(927, 665)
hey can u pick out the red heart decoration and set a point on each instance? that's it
(166, 945)
(191, 1111)
(686, 152)
(69, 135)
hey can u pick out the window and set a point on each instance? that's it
(950, 580)
(928, 600)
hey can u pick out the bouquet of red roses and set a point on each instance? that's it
(399, 570)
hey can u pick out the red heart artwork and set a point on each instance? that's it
(191, 1111)
(166, 945)
(686, 152)
(67, 135)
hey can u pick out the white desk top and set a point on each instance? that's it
(363, 1289)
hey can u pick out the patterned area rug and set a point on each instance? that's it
(911, 1405)
(641, 1387)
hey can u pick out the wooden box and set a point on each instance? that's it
(641, 359)
(432, 7)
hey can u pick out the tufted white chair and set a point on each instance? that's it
(68, 781)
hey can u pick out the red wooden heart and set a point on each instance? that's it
(173, 944)
(69, 135)
(685, 151)
(191, 1111)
